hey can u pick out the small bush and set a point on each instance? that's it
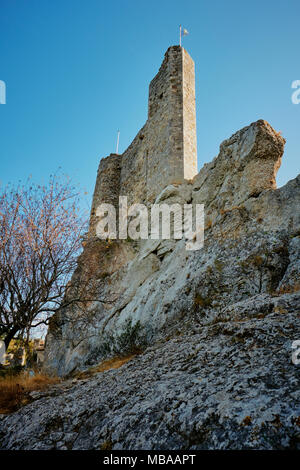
(202, 302)
(106, 445)
(131, 340)
(12, 371)
(219, 265)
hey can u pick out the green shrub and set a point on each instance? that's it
(132, 339)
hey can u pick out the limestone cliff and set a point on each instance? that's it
(250, 250)
(217, 372)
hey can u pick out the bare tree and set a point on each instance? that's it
(41, 230)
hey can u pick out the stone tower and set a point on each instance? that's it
(165, 150)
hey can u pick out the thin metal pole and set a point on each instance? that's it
(180, 35)
(118, 137)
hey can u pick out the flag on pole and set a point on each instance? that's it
(118, 138)
(182, 32)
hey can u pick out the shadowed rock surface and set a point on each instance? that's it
(227, 385)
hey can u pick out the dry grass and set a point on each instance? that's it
(14, 390)
(247, 421)
(208, 225)
(108, 364)
(231, 209)
(291, 289)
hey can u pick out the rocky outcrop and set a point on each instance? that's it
(217, 324)
(246, 165)
(251, 248)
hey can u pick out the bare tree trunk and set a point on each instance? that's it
(9, 337)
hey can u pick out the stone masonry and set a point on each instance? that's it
(165, 150)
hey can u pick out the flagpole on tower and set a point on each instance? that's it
(182, 32)
(118, 138)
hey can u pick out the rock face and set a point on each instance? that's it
(216, 325)
(227, 385)
(246, 166)
(251, 247)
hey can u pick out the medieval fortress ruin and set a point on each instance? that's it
(165, 150)
(207, 334)
(250, 248)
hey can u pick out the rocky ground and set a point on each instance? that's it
(226, 385)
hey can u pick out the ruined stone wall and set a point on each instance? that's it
(164, 150)
(107, 186)
(189, 117)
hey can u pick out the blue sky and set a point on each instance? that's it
(77, 70)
